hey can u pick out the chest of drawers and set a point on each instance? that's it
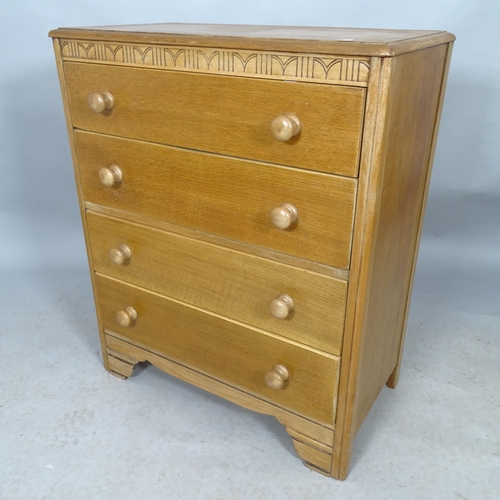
(252, 199)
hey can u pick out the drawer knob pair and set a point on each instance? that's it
(100, 101)
(284, 127)
(124, 318)
(276, 377)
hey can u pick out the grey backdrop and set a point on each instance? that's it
(39, 223)
(459, 265)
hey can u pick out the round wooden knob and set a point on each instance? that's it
(100, 101)
(276, 377)
(120, 255)
(109, 176)
(124, 318)
(284, 216)
(284, 127)
(281, 306)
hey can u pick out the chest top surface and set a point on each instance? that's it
(359, 41)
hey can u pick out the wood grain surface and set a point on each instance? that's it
(412, 108)
(407, 98)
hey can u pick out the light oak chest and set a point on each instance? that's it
(252, 199)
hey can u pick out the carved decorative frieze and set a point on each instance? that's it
(260, 64)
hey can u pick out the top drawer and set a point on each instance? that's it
(221, 114)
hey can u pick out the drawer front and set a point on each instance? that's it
(227, 115)
(226, 282)
(224, 350)
(223, 196)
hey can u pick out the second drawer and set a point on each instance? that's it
(232, 284)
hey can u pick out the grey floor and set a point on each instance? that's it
(69, 430)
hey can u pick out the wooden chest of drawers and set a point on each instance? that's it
(252, 199)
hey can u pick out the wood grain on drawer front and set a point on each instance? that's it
(228, 115)
(222, 349)
(224, 196)
(233, 284)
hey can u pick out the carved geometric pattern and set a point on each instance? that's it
(260, 64)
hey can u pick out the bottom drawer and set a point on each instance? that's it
(222, 349)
